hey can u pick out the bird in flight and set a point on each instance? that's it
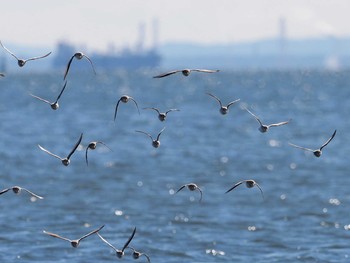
(191, 187)
(161, 115)
(17, 190)
(22, 62)
(125, 99)
(92, 146)
(249, 184)
(185, 72)
(65, 161)
(155, 142)
(74, 242)
(223, 109)
(78, 55)
(317, 152)
(54, 105)
(119, 253)
(263, 127)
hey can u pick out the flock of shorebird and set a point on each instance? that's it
(224, 109)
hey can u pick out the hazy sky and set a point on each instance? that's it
(96, 24)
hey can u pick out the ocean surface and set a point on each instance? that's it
(303, 217)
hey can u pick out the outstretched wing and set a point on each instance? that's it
(92, 65)
(233, 187)
(206, 70)
(233, 102)
(167, 74)
(300, 147)
(328, 141)
(68, 66)
(46, 101)
(135, 104)
(91, 233)
(4, 191)
(149, 135)
(30, 192)
(116, 109)
(75, 146)
(278, 124)
(160, 134)
(215, 98)
(151, 108)
(57, 236)
(50, 153)
(129, 240)
(104, 240)
(59, 95)
(256, 117)
(182, 187)
(9, 51)
(44, 56)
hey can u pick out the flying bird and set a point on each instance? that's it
(119, 253)
(54, 105)
(137, 254)
(223, 109)
(161, 115)
(317, 152)
(249, 184)
(92, 146)
(191, 187)
(155, 142)
(263, 127)
(74, 242)
(2, 74)
(65, 161)
(185, 72)
(22, 62)
(78, 55)
(17, 190)
(125, 99)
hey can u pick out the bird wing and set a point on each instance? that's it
(91, 233)
(278, 124)
(105, 145)
(4, 191)
(75, 146)
(200, 190)
(149, 135)
(30, 192)
(167, 74)
(135, 104)
(303, 148)
(171, 110)
(206, 70)
(261, 191)
(151, 108)
(86, 152)
(182, 187)
(57, 236)
(46, 101)
(129, 240)
(256, 117)
(59, 95)
(328, 141)
(232, 102)
(104, 240)
(215, 98)
(160, 133)
(233, 187)
(68, 66)
(34, 58)
(48, 152)
(9, 51)
(92, 65)
(116, 109)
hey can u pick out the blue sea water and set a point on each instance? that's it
(304, 216)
